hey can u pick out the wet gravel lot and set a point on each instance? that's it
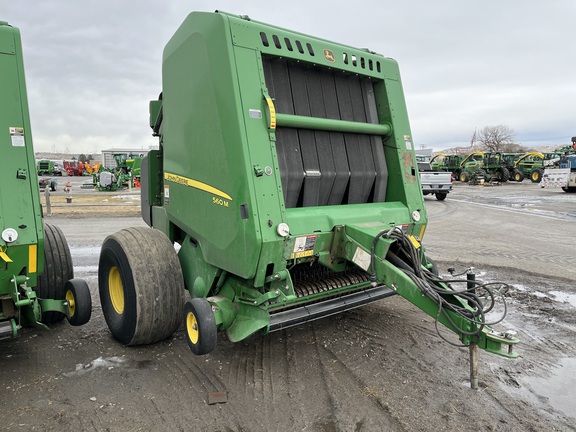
(380, 367)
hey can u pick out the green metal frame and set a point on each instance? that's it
(21, 261)
(214, 185)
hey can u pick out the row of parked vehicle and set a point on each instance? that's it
(498, 166)
(72, 168)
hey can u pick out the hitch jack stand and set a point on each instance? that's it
(473, 367)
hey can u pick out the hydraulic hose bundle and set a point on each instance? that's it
(472, 303)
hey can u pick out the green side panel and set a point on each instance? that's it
(222, 180)
(19, 195)
(205, 149)
(198, 275)
(155, 107)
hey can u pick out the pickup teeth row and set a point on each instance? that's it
(315, 279)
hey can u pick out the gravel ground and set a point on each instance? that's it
(380, 367)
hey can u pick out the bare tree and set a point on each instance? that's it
(499, 138)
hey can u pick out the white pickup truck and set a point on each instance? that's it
(438, 183)
(561, 174)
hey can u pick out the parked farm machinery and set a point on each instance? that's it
(286, 175)
(562, 172)
(490, 167)
(444, 162)
(37, 285)
(530, 165)
(48, 167)
(124, 175)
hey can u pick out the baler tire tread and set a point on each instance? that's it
(80, 293)
(200, 311)
(58, 269)
(152, 284)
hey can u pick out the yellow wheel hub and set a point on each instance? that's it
(71, 302)
(116, 290)
(192, 327)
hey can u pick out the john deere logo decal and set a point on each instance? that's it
(329, 55)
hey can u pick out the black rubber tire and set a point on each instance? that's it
(140, 269)
(518, 176)
(536, 175)
(569, 189)
(464, 177)
(58, 270)
(456, 175)
(441, 196)
(200, 326)
(504, 175)
(78, 296)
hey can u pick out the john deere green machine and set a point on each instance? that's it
(36, 273)
(287, 178)
(444, 162)
(530, 165)
(491, 167)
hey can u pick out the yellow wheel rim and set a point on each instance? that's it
(192, 327)
(116, 290)
(534, 176)
(71, 302)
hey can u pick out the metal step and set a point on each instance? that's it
(292, 317)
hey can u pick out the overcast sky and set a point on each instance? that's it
(92, 66)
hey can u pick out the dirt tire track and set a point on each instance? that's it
(382, 361)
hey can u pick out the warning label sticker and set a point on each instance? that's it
(408, 142)
(304, 246)
(362, 259)
(17, 136)
(166, 195)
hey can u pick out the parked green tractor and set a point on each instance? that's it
(491, 167)
(286, 175)
(444, 162)
(37, 285)
(472, 158)
(530, 165)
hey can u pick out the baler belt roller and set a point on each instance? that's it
(303, 122)
(329, 140)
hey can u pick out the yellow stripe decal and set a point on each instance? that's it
(5, 256)
(32, 258)
(272, 113)
(415, 242)
(196, 185)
